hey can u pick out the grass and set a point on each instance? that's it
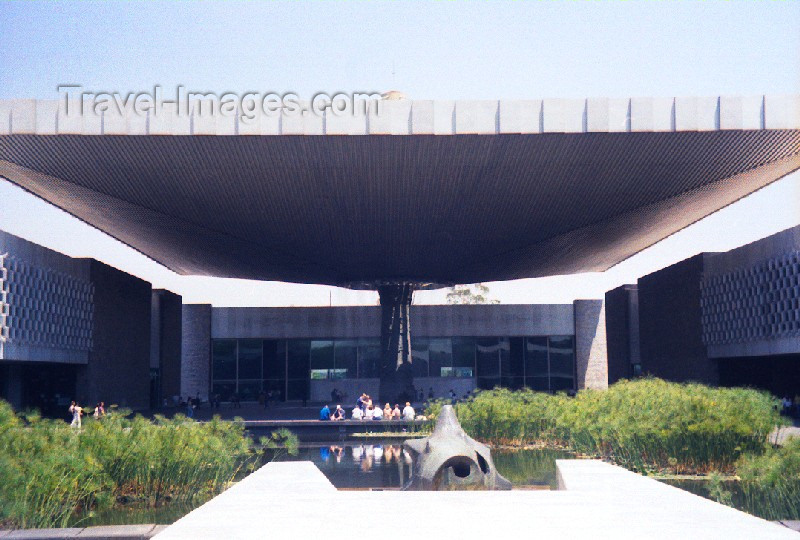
(50, 470)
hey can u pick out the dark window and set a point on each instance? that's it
(562, 363)
(346, 359)
(488, 357)
(536, 365)
(224, 388)
(440, 357)
(298, 352)
(369, 358)
(277, 386)
(463, 357)
(419, 356)
(249, 390)
(298, 358)
(224, 359)
(321, 359)
(250, 358)
(297, 389)
(274, 361)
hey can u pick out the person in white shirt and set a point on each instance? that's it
(377, 413)
(358, 414)
(408, 412)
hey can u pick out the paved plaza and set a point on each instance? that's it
(595, 500)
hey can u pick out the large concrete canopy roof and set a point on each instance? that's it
(503, 197)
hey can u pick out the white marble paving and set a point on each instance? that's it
(597, 501)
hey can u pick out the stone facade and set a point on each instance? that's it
(364, 321)
(751, 298)
(196, 350)
(622, 331)
(170, 337)
(118, 370)
(46, 304)
(78, 329)
(669, 324)
(591, 356)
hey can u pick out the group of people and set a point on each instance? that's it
(76, 411)
(791, 408)
(364, 410)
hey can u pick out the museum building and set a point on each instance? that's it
(376, 200)
(77, 328)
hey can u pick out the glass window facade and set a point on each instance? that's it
(286, 366)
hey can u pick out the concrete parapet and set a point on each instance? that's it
(418, 117)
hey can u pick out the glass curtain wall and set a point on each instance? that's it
(248, 367)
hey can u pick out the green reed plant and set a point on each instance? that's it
(50, 469)
(770, 483)
(646, 424)
(653, 424)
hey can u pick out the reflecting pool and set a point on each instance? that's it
(383, 464)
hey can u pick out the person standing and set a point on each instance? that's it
(76, 412)
(100, 410)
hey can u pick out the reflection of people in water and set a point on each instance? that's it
(366, 463)
(324, 453)
(358, 453)
(337, 453)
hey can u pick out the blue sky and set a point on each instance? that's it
(434, 50)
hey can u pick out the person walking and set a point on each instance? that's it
(100, 410)
(76, 411)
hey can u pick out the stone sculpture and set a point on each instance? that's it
(450, 459)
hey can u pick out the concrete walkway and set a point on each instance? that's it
(780, 436)
(108, 532)
(596, 500)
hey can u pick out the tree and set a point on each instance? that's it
(477, 293)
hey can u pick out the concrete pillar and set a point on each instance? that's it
(397, 377)
(591, 355)
(196, 350)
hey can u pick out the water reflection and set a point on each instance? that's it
(383, 464)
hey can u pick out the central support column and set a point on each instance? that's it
(397, 376)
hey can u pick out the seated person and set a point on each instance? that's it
(338, 414)
(396, 414)
(408, 412)
(325, 413)
(377, 413)
(387, 411)
(358, 414)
